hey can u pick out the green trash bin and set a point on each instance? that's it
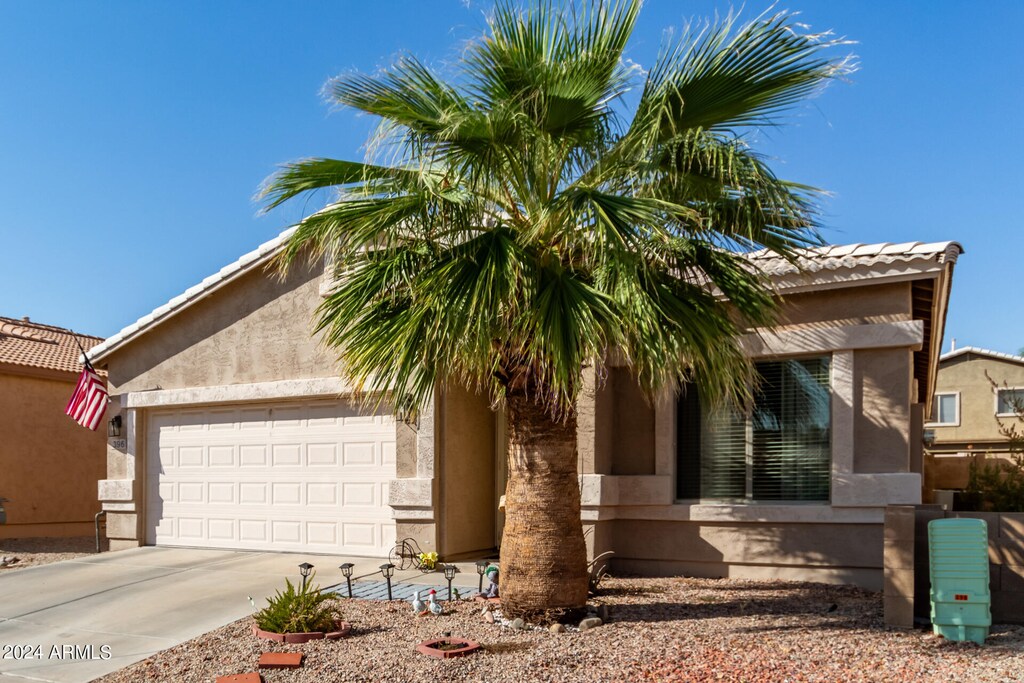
(961, 601)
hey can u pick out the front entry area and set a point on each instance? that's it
(309, 476)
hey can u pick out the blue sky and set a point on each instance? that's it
(133, 137)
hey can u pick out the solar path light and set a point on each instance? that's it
(388, 570)
(481, 567)
(305, 568)
(449, 573)
(346, 571)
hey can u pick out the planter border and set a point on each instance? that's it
(468, 647)
(343, 628)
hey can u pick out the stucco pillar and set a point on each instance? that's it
(412, 495)
(119, 492)
(898, 570)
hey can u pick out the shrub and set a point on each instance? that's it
(997, 484)
(298, 611)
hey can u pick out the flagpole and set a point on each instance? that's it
(88, 365)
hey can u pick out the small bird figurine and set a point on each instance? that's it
(434, 606)
(418, 605)
(455, 594)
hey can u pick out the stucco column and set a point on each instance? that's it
(412, 495)
(119, 492)
(844, 412)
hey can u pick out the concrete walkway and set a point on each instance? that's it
(74, 621)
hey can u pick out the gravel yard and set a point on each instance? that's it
(670, 630)
(32, 552)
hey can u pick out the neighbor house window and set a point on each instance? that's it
(1009, 401)
(778, 451)
(945, 409)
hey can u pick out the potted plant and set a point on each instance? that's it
(300, 615)
(428, 561)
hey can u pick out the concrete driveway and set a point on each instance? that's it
(74, 621)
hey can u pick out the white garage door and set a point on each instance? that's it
(309, 476)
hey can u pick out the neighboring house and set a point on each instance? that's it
(49, 465)
(241, 435)
(967, 412)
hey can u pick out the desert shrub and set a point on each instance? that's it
(298, 611)
(997, 484)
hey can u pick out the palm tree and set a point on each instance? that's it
(513, 224)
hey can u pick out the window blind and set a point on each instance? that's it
(779, 451)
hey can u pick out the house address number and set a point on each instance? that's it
(119, 444)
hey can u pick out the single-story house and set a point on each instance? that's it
(968, 412)
(49, 465)
(240, 433)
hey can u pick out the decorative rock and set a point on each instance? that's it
(589, 623)
(517, 624)
(604, 612)
(557, 628)
(488, 617)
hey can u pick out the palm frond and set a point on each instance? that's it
(723, 77)
(307, 175)
(515, 223)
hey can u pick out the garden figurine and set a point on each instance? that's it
(418, 606)
(434, 606)
(491, 590)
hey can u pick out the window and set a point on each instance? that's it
(945, 409)
(1009, 401)
(780, 451)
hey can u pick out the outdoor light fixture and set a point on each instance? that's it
(114, 426)
(388, 570)
(449, 573)
(346, 571)
(305, 568)
(481, 567)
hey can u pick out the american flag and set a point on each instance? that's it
(89, 402)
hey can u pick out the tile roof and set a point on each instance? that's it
(963, 350)
(839, 257)
(23, 342)
(811, 260)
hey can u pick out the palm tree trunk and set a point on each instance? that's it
(543, 554)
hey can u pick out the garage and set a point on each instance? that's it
(308, 476)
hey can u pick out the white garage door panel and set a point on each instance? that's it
(299, 476)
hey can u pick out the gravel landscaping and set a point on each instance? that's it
(670, 630)
(32, 552)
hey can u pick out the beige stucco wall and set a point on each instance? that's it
(468, 504)
(965, 374)
(630, 502)
(832, 553)
(49, 465)
(632, 425)
(254, 329)
(848, 305)
(883, 381)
